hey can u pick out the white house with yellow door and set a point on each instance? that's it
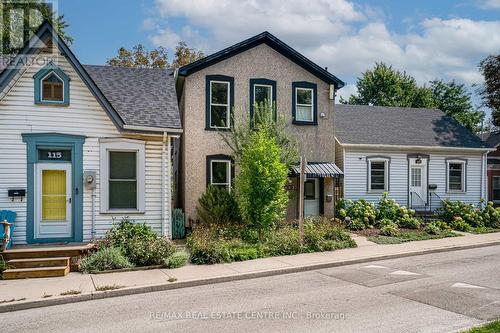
(82, 146)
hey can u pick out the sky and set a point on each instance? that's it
(429, 39)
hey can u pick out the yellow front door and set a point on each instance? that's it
(53, 195)
(53, 215)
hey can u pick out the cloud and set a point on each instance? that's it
(345, 37)
(489, 4)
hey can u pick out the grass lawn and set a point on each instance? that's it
(493, 327)
(484, 230)
(408, 235)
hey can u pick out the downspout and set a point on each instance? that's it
(92, 216)
(483, 183)
(163, 183)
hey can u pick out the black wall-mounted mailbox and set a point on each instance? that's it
(433, 186)
(18, 193)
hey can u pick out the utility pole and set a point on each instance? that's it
(302, 180)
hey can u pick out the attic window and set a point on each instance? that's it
(52, 88)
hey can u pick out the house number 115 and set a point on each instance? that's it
(54, 154)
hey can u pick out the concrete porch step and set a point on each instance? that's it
(37, 272)
(39, 262)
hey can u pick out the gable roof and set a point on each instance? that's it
(141, 96)
(273, 42)
(491, 138)
(125, 112)
(398, 126)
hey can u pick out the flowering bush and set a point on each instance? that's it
(388, 228)
(469, 213)
(362, 214)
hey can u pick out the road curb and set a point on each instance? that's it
(24, 305)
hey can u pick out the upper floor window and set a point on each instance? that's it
(456, 175)
(262, 97)
(304, 107)
(219, 101)
(51, 86)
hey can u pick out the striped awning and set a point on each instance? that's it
(319, 170)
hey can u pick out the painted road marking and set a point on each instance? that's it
(374, 266)
(466, 285)
(403, 273)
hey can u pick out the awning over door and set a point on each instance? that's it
(319, 170)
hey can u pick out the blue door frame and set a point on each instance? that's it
(36, 141)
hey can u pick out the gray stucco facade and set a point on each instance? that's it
(260, 62)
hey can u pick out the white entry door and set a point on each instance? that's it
(53, 200)
(311, 197)
(418, 181)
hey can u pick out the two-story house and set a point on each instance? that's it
(226, 84)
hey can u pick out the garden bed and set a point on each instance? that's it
(217, 245)
(405, 235)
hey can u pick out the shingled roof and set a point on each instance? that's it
(491, 138)
(379, 125)
(141, 96)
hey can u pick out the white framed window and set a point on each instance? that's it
(220, 109)
(304, 104)
(262, 93)
(220, 173)
(456, 171)
(378, 174)
(122, 176)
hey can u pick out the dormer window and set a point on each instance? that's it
(51, 86)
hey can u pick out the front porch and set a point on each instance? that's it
(43, 260)
(322, 190)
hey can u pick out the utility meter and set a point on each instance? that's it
(89, 179)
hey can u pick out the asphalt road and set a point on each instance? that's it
(442, 292)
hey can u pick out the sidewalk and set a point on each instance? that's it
(29, 293)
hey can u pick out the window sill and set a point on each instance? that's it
(456, 192)
(52, 103)
(215, 129)
(122, 211)
(376, 191)
(299, 122)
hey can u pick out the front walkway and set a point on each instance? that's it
(13, 293)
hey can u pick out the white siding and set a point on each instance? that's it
(355, 175)
(84, 116)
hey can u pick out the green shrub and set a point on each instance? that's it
(322, 234)
(409, 222)
(260, 184)
(491, 216)
(176, 260)
(437, 227)
(469, 213)
(459, 224)
(139, 243)
(244, 252)
(388, 228)
(205, 248)
(106, 258)
(218, 207)
(361, 213)
(282, 241)
(387, 208)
